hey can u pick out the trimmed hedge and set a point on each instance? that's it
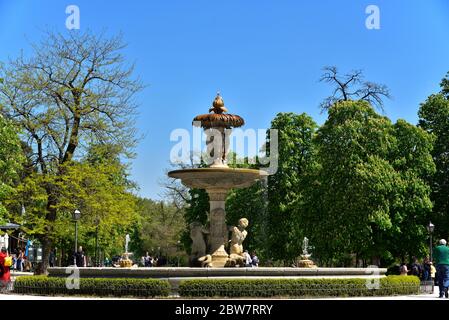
(302, 287)
(92, 286)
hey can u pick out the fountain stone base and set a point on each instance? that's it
(306, 264)
(217, 181)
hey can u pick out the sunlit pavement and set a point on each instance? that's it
(10, 296)
(34, 297)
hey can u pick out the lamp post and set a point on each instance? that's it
(97, 223)
(76, 216)
(430, 228)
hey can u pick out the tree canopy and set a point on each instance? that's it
(11, 161)
(74, 91)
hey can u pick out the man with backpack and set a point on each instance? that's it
(441, 255)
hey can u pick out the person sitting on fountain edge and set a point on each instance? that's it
(254, 259)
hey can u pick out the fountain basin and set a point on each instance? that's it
(184, 272)
(222, 178)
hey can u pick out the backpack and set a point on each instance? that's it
(8, 261)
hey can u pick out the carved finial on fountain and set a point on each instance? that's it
(218, 125)
(218, 106)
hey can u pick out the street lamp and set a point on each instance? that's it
(76, 215)
(178, 247)
(430, 228)
(97, 223)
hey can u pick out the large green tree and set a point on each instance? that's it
(434, 118)
(370, 198)
(11, 160)
(97, 190)
(75, 89)
(296, 163)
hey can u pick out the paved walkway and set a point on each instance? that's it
(32, 297)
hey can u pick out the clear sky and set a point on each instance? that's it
(264, 56)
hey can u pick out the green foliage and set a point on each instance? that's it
(296, 160)
(93, 286)
(434, 118)
(301, 287)
(11, 160)
(444, 84)
(161, 225)
(95, 190)
(370, 192)
(74, 91)
(197, 206)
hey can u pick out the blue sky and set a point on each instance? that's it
(264, 56)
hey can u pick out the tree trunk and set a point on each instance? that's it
(60, 254)
(47, 242)
(47, 246)
(73, 142)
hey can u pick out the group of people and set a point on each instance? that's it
(428, 272)
(15, 261)
(19, 259)
(251, 260)
(149, 261)
(425, 271)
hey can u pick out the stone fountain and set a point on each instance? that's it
(217, 179)
(305, 261)
(125, 261)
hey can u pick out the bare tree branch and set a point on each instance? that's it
(352, 87)
(74, 90)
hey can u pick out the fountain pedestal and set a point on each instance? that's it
(217, 182)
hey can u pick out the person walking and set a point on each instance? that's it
(5, 277)
(403, 269)
(415, 268)
(80, 258)
(441, 255)
(19, 261)
(51, 259)
(426, 270)
(433, 271)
